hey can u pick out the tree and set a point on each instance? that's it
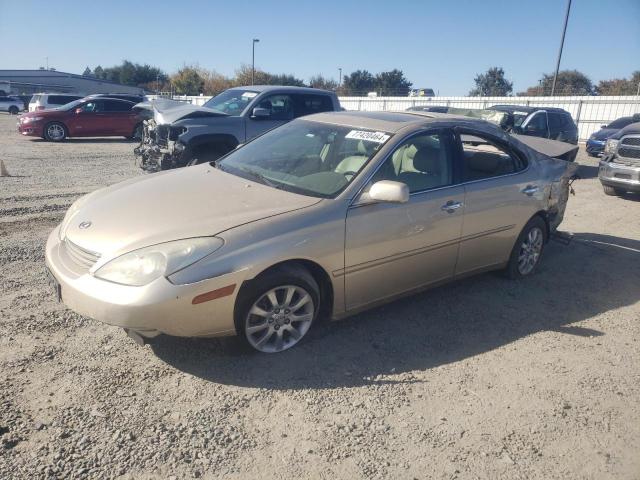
(620, 86)
(87, 72)
(358, 83)
(569, 82)
(392, 83)
(187, 81)
(98, 72)
(492, 84)
(214, 82)
(318, 81)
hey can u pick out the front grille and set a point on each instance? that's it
(629, 150)
(80, 256)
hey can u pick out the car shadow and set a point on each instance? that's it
(575, 282)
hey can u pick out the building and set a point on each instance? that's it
(25, 82)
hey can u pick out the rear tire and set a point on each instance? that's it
(612, 191)
(275, 311)
(55, 132)
(13, 110)
(527, 251)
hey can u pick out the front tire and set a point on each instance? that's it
(276, 311)
(55, 132)
(612, 191)
(527, 251)
(136, 134)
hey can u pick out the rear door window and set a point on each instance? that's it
(484, 158)
(308, 104)
(116, 106)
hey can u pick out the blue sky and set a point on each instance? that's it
(438, 44)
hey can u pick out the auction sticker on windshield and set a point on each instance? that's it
(378, 137)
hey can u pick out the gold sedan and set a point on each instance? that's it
(325, 216)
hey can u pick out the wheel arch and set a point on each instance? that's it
(544, 215)
(319, 274)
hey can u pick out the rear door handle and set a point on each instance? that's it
(530, 189)
(451, 206)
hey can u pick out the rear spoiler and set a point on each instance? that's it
(550, 148)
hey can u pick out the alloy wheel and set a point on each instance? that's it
(55, 131)
(279, 318)
(530, 251)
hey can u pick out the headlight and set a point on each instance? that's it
(611, 146)
(31, 119)
(142, 266)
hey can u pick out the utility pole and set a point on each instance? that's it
(253, 59)
(340, 81)
(564, 31)
(47, 58)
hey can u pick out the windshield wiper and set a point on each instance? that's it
(261, 178)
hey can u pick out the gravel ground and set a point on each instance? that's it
(485, 378)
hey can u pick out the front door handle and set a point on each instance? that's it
(530, 190)
(451, 206)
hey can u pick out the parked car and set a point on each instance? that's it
(44, 101)
(598, 140)
(619, 170)
(552, 123)
(422, 92)
(182, 134)
(428, 108)
(122, 96)
(11, 104)
(101, 117)
(329, 214)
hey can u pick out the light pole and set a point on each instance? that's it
(564, 31)
(340, 81)
(253, 59)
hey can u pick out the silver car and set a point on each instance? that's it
(323, 217)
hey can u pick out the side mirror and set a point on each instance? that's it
(389, 191)
(259, 112)
(78, 110)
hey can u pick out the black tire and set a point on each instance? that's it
(253, 291)
(612, 191)
(513, 269)
(48, 132)
(13, 110)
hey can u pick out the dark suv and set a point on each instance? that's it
(552, 123)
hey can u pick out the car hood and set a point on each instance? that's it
(184, 203)
(169, 111)
(603, 133)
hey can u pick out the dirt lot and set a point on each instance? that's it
(486, 378)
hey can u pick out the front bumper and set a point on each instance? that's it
(32, 129)
(159, 307)
(619, 176)
(595, 147)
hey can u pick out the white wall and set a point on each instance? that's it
(588, 112)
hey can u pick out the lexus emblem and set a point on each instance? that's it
(84, 225)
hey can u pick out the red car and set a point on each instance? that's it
(88, 117)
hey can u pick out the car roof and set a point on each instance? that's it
(268, 88)
(525, 108)
(392, 122)
(108, 98)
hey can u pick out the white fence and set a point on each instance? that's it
(589, 113)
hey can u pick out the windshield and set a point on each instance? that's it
(621, 122)
(232, 102)
(310, 158)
